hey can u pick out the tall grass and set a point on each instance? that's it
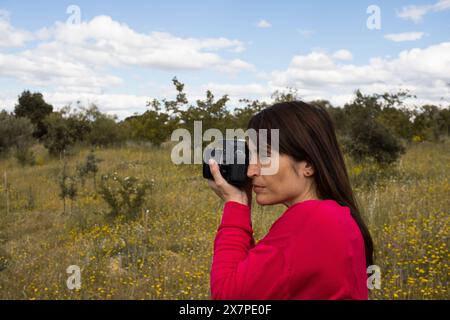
(166, 252)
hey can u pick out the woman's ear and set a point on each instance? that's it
(308, 169)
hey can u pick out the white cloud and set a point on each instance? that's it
(235, 66)
(264, 24)
(442, 5)
(343, 55)
(238, 90)
(416, 13)
(11, 37)
(80, 57)
(122, 105)
(108, 102)
(71, 63)
(317, 75)
(105, 41)
(8, 100)
(40, 70)
(406, 36)
(425, 72)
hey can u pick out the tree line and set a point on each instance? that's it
(377, 126)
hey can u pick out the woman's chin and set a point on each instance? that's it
(263, 200)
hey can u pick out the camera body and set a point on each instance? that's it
(232, 156)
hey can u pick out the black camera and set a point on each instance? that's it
(232, 156)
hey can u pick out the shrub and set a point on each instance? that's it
(25, 156)
(16, 134)
(89, 167)
(369, 139)
(60, 134)
(68, 187)
(125, 196)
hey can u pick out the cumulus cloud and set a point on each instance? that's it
(343, 55)
(318, 75)
(264, 24)
(11, 37)
(122, 105)
(237, 90)
(425, 72)
(105, 41)
(40, 70)
(79, 62)
(81, 56)
(416, 13)
(406, 36)
(110, 102)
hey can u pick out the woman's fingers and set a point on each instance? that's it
(216, 190)
(215, 171)
(222, 188)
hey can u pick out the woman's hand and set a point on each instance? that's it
(226, 191)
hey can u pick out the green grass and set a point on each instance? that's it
(166, 253)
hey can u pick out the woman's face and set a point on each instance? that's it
(292, 183)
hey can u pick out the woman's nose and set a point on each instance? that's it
(253, 170)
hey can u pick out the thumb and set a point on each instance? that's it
(215, 171)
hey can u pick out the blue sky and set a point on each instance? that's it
(127, 52)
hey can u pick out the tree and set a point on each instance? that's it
(394, 115)
(60, 134)
(213, 113)
(430, 123)
(243, 115)
(289, 95)
(398, 121)
(16, 134)
(370, 139)
(101, 129)
(154, 126)
(33, 106)
(365, 136)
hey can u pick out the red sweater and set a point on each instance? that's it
(313, 251)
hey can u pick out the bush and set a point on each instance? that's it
(25, 156)
(67, 186)
(61, 134)
(101, 129)
(16, 134)
(88, 126)
(125, 196)
(89, 168)
(369, 139)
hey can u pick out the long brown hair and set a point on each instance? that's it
(307, 133)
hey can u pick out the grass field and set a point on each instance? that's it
(166, 253)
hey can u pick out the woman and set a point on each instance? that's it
(320, 247)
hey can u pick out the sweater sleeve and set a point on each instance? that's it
(242, 270)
